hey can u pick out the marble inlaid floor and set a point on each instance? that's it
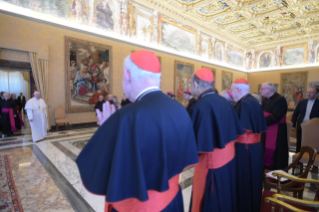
(47, 177)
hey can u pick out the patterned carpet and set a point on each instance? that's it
(9, 199)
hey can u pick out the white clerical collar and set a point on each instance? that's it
(145, 91)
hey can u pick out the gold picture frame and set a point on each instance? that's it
(183, 72)
(227, 80)
(294, 57)
(81, 91)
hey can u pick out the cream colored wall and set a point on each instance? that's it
(27, 35)
(258, 78)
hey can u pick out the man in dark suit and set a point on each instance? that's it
(21, 100)
(306, 109)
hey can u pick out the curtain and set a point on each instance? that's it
(17, 84)
(14, 82)
(40, 71)
(4, 83)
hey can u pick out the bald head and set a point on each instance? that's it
(311, 93)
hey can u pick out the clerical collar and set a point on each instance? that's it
(146, 91)
(208, 92)
(312, 100)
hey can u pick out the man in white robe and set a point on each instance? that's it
(37, 115)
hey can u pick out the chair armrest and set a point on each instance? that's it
(274, 202)
(308, 203)
(297, 179)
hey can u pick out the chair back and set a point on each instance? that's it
(59, 112)
(312, 153)
(310, 133)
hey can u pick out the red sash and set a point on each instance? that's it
(157, 201)
(12, 123)
(209, 160)
(271, 140)
(248, 138)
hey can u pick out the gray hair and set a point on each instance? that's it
(203, 84)
(270, 86)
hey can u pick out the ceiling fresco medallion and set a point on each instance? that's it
(229, 18)
(214, 8)
(241, 27)
(267, 6)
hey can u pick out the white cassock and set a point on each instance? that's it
(36, 110)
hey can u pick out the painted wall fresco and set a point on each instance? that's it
(294, 86)
(128, 18)
(183, 74)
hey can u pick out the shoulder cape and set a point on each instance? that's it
(215, 123)
(139, 148)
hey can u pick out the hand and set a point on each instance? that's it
(108, 110)
(31, 120)
(293, 129)
(14, 115)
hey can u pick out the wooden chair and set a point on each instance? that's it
(60, 117)
(276, 202)
(310, 137)
(292, 186)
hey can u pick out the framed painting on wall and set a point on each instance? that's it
(177, 37)
(183, 74)
(88, 71)
(314, 84)
(294, 55)
(227, 80)
(294, 86)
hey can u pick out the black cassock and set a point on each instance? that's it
(190, 105)
(275, 139)
(139, 148)
(5, 117)
(17, 118)
(249, 154)
(99, 105)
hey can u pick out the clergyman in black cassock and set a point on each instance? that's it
(99, 104)
(275, 141)
(137, 154)
(306, 110)
(249, 150)
(7, 112)
(22, 102)
(18, 106)
(216, 128)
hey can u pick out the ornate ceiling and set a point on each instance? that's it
(251, 23)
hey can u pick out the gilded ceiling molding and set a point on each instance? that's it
(213, 9)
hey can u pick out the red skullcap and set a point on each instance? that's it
(170, 93)
(146, 60)
(205, 74)
(241, 81)
(187, 91)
